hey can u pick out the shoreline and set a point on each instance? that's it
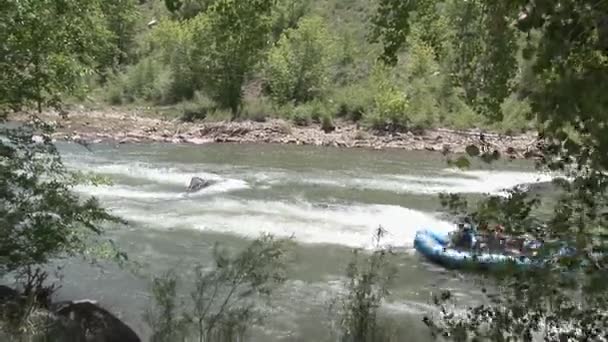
(130, 126)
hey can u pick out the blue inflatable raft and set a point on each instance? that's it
(434, 246)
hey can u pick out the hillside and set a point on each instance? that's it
(317, 65)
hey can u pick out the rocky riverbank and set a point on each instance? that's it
(96, 126)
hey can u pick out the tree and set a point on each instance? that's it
(46, 46)
(229, 39)
(42, 218)
(298, 67)
(474, 42)
(225, 299)
(566, 297)
(120, 17)
(286, 15)
(187, 9)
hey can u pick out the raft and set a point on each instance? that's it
(434, 246)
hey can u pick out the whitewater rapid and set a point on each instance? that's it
(247, 201)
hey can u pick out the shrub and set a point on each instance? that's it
(174, 42)
(219, 114)
(147, 80)
(257, 109)
(516, 115)
(226, 299)
(298, 67)
(353, 101)
(327, 123)
(114, 90)
(197, 109)
(301, 115)
(390, 104)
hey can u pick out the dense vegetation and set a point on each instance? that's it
(316, 61)
(567, 298)
(412, 64)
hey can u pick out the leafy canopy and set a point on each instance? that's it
(566, 46)
(46, 46)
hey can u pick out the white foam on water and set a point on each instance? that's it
(491, 182)
(352, 226)
(448, 180)
(141, 192)
(161, 175)
(468, 182)
(126, 192)
(498, 180)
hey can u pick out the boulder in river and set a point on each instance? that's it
(197, 183)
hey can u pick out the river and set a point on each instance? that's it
(329, 200)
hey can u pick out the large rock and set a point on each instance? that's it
(7, 294)
(197, 183)
(85, 321)
(68, 321)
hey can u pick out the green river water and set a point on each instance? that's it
(329, 200)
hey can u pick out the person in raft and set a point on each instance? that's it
(466, 236)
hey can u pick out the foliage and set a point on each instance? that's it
(327, 123)
(287, 14)
(197, 109)
(516, 115)
(298, 67)
(302, 115)
(148, 80)
(173, 41)
(368, 285)
(187, 9)
(390, 101)
(163, 317)
(42, 218)
(121, 17)
(46, 47)
(564, 298)
(225, 298)
(473, 41)
(228, 42)
(353, 101)
(258, 108)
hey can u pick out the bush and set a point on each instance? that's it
(353, 101)
(462, 116)
(327, 124)
(114, 90)
(298, 67)
(226, 299)
(257, 109)
(197, 109)
(516, 115)
(301, 115)
(390, 103)
(174, 42)
(320, 109)
(147, 80)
